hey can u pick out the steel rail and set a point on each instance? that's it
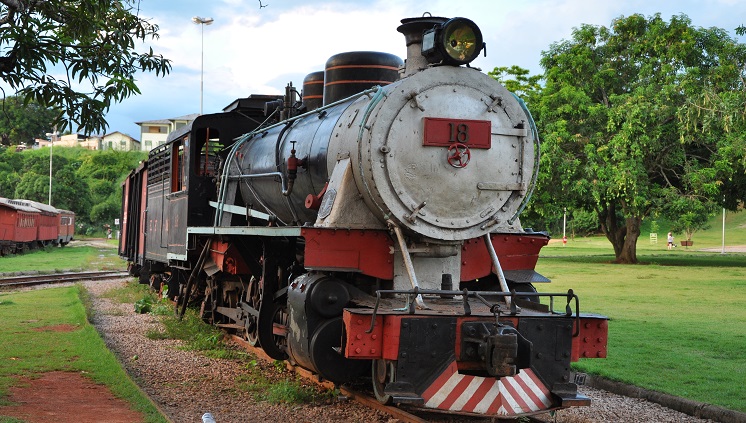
(14, 282)
(359, 397)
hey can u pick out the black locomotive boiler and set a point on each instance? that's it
(369, 229)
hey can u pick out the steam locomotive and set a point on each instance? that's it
(368, 227)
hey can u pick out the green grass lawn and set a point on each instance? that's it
(73, 257)
(26, 352)
(678, 321)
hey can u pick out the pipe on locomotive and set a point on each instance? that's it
(246, 137)
(408, 263)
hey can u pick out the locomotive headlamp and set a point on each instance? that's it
(456, 41)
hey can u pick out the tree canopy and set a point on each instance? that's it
(622, 123)
(21, 123)
(84, 181)
(78, 56)
(518, 81)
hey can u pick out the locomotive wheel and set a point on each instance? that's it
(132, 268)
(251, 329)
(172, 285)
(525, 287)
(250, 332)
(325, 357)
(272, 330)
(185, 297)
(156, 283)
(143, 276)
(491, 283)
(210, 302)
(383, 372)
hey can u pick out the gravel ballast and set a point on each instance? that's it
(185, 384)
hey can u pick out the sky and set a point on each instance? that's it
(250, 49)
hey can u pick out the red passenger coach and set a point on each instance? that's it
(18, 227)
(47, 228)
(26, 224)
(66, 230)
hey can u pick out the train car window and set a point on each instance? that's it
(207, 144)
(178, 175)
(159, 166)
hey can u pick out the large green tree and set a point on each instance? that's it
(519, 81)
(611, 119)
(84, 181)
(69, 192)
(718, 114)
(22, 123)
(76, 55)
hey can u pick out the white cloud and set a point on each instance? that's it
(252, 50)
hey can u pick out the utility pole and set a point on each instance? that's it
(52, 138)
(202, 22)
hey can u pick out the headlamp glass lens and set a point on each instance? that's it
(460, 42)
(454, 42)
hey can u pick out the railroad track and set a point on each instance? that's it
(363, 398)
(369, 401)
(360, 397)
(55, 278)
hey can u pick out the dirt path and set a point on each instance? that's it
(66, 397)
(728, 249)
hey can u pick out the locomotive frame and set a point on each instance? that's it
(374, 234)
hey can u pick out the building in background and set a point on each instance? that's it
(120, 142)
(112, 141)
(70, 140)
(93, 142)
(154, 132)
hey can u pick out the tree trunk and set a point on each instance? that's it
(623, 238)
(629, 248)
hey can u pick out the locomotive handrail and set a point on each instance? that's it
(283, 180)
(480, 295)
(247, 136)
(368, 110)
(537, 157)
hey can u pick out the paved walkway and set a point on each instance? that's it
(728, 249)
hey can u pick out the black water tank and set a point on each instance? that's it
(349, 73)
(313, 90)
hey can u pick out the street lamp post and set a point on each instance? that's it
(52, 139)
(51, 146)
(202, 22)
(722, 251)
(564, 228)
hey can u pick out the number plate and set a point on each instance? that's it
(442, 132)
